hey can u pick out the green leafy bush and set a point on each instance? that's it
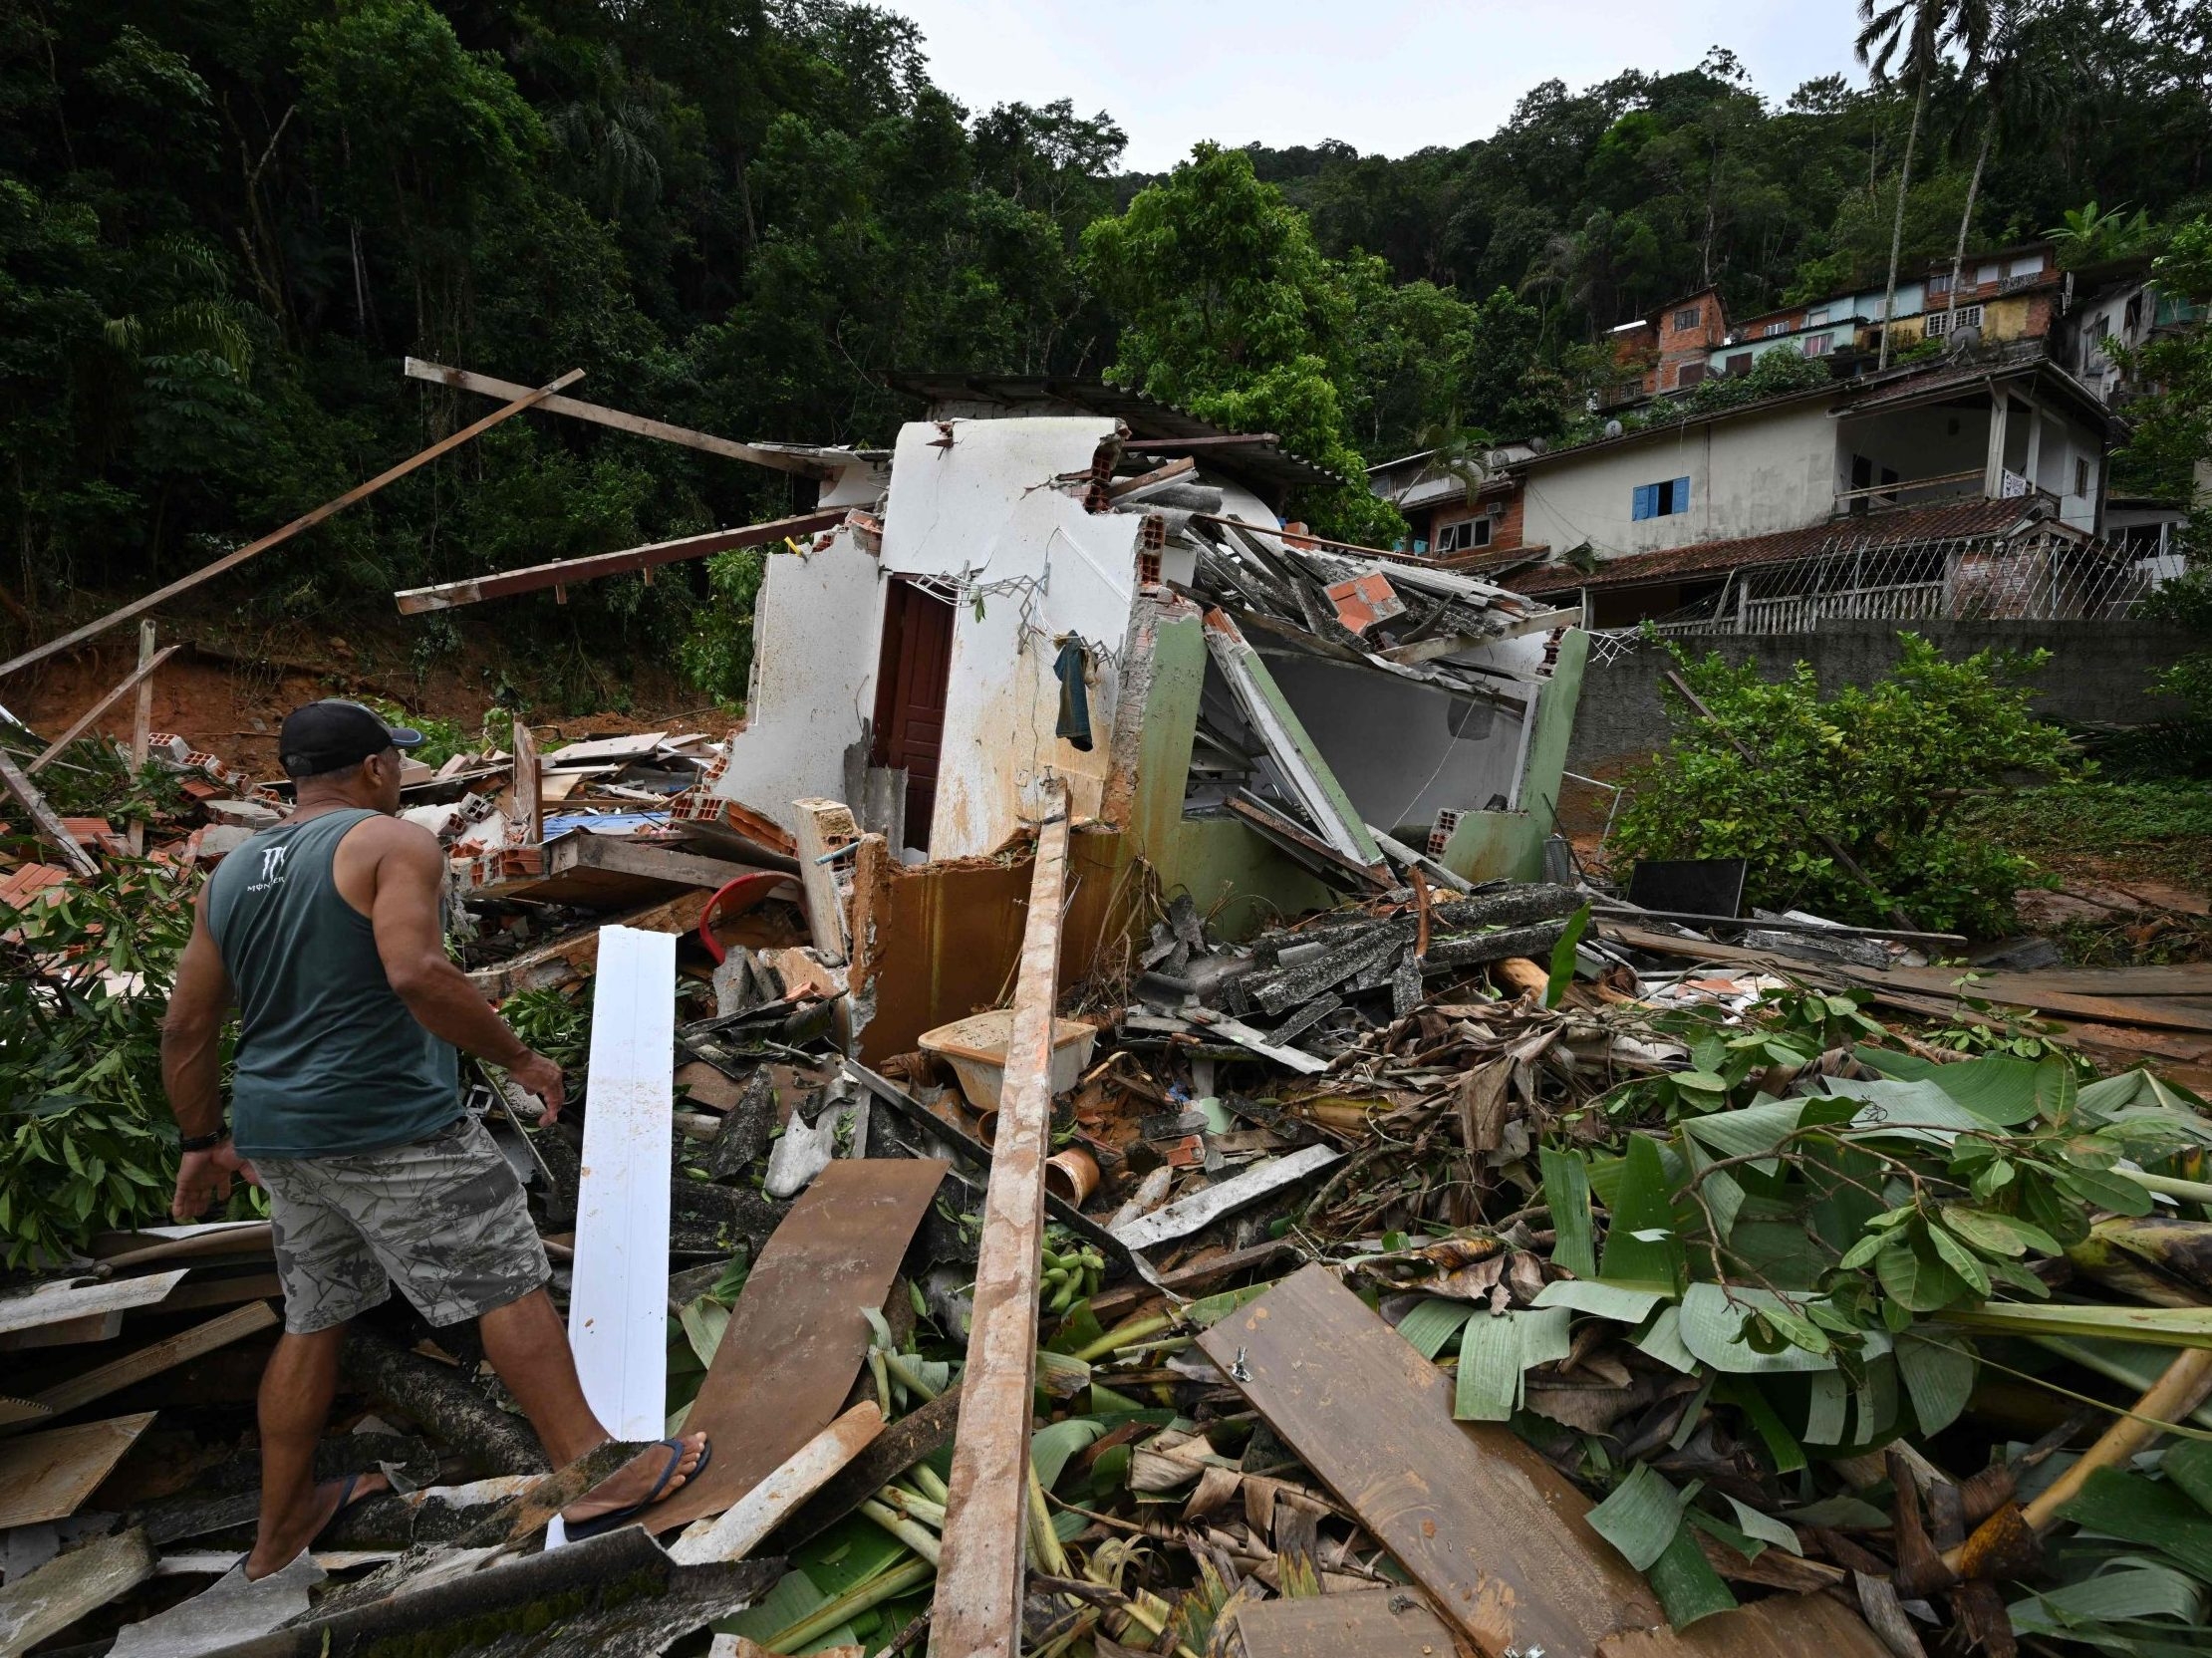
(716, 654)
(87, 1141)
(1877, 768)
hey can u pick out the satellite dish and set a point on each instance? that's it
(1537, 445)
(1966, 338)
(1612, 428)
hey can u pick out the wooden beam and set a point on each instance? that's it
(141, 724)
(306, 521)
(84, 721)
(117, 1374)
(825, 826)
(580, 849)
(529, 785)
(534, 578)
(739, 1529)
(43, 817)
(977, 1606)
(462, 381)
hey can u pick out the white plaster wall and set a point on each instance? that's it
(1777, 471)
(816, 629)
(1391, 744)
(987, 512)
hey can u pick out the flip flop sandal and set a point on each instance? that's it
(579, 1530)
(346, 1500)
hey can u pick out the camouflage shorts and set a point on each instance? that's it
(444, 1217)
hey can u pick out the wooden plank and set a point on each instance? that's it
(306, 521)
(741, 1527)
(797, 1336)
(1784, 1626)
(825, 826)
(675, 864)
(185, 1345)
(84, 721)
(141, 724)
(1493, 1533)
(43, 817)
(618, 1309)
(1364, 1623)
(56, 1302)
(49, 1474)
(535, 578)
(2166, 1012)
(569, 959)
(70, 1332)
(43, 1604)
(529, 786)
(15, 1412)
(918, 1434)
(978, 1604)
(644, 426)
(224, 1292)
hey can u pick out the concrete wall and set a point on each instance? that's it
(1778, 475)
(2098, 670)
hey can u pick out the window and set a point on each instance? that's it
(1987, 273)
(1940, 283)
(1818, 345)
(1813, 319)
(1740, 363)
(2080, 474)
(1939, 321)
(1776, 328)
(2135, 311)
(1690, 374)
(1464, 536)
(1688, 318)
(2027, 264)
(1660, 501)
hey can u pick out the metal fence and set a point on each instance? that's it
(2034, 577)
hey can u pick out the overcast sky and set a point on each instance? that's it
(1386, 76)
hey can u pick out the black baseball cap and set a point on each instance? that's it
(331, 734)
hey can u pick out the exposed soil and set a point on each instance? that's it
(226, 694)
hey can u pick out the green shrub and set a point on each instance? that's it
(1877, 768)
(87, 1141)
(716, 654)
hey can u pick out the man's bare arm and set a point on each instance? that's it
(192, 1030)
(409, 870)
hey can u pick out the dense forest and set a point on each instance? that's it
(223, 224)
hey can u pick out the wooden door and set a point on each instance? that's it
(910, 690)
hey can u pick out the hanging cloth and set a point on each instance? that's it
(1072, 669)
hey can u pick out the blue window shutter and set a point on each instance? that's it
(1682, 494)
(1646, 501)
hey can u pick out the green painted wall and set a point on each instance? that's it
(1509, 846)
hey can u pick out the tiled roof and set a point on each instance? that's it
(1947, 520)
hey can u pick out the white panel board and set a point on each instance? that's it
(617, 1309)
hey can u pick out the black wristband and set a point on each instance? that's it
(203, 1142)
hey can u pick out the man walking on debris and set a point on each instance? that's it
(327, 929)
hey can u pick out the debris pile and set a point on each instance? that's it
(1123, 1182)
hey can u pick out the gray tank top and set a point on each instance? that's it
(328, 1059)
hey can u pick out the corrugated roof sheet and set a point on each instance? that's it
(1945, 521)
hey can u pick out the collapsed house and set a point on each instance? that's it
(1247, 711)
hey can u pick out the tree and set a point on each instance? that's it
(1915, 32)
(1229, 309)
(2018, 90)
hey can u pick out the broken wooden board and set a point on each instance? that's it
(2035, 991)
(610, 870)
(1209, 1203)
(976, 1609)
(739, 1529)
(1493, 1533)
(121, 1373)
(919, 1433)
(49, 1474)
(569, 959)
(797, 1336)
(1785, 1626)
(59, 1304)
(43, 1604)
(1361, 1623)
